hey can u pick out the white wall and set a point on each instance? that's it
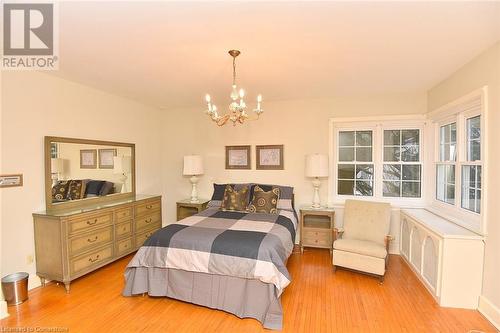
(35, 105)
(301, 126)
(481, 71)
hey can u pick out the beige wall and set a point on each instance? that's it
(301, 126)
(35, 105)
(483, 70)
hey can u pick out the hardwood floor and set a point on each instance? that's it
(317, 300)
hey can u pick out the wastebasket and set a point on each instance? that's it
(15, 288)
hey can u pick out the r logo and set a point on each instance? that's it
(28, 29)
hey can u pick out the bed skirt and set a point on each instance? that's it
(245, 298)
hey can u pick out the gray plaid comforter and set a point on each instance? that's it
(245, 245)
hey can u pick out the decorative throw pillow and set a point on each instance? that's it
(107, 188)
(94, 188)
(60, 190)
(234, 200)
(76, 190)
(264, 202)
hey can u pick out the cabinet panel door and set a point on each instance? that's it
(405, 238)
(431, 260)
(416, 249)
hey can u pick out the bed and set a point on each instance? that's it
(228, 260)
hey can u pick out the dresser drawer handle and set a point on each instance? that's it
(94, 260)
(149, 220)
(149, 206)
(124, 228)
(125, 246)
(124, 214)
(92, 222)
(315, 241)
(92, 240)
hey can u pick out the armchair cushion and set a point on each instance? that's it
(366, 248)
(367, 221)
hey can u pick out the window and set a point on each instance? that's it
(401, 169)
(355, 171)
(471, 169)
(459, 157)
(445, 168)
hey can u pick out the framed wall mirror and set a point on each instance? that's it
(80, 172)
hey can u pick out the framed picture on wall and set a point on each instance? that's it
(88, 159)
(269, 157)
(238, 157)
(106, 160)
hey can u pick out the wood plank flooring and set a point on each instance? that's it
(317, 300)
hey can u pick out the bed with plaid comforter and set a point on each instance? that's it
(232, 261)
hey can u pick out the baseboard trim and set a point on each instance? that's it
(489, 311)
(3, 310)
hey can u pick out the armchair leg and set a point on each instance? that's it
(334, 268)
(381, 279)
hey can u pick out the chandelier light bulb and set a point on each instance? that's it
(207, 98)
(259, 98)
(242, 93)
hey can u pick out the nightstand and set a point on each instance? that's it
(316, 227)
(186, 208)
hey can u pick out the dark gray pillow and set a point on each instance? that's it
(107, 188)
(94, 188)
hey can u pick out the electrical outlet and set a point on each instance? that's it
(29, 259)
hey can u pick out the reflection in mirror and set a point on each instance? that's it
(80, 170)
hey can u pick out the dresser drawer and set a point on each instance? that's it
(90, 260)
(123, 214)
(89, 222)
(141, 237)
(90, 240)
(147, 221)
(123, 246)
(147, 207)
(123, 229)
(318, 238)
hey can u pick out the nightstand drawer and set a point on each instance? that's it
(319, 238)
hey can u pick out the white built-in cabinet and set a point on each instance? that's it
(447, 258)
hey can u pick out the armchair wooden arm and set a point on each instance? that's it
(388, 239)
(337, 233)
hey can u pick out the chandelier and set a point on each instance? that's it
(237, 113)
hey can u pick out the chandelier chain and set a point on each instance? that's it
(234, 71)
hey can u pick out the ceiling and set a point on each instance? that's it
(169, 54)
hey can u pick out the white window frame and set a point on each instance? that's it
(377, 125)
(459, 111)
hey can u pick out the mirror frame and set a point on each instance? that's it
(87, 201)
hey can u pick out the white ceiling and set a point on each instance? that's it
(169, 54)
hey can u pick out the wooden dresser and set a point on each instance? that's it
(72, 243)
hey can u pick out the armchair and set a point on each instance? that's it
(363, 242)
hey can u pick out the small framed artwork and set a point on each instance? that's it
(11, 180)
(269, 157)
(88, 159)
(238, 157)
(106, 158)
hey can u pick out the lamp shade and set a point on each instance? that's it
(56, 165)
(316, 165)
(193, 165)
(122, 164)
